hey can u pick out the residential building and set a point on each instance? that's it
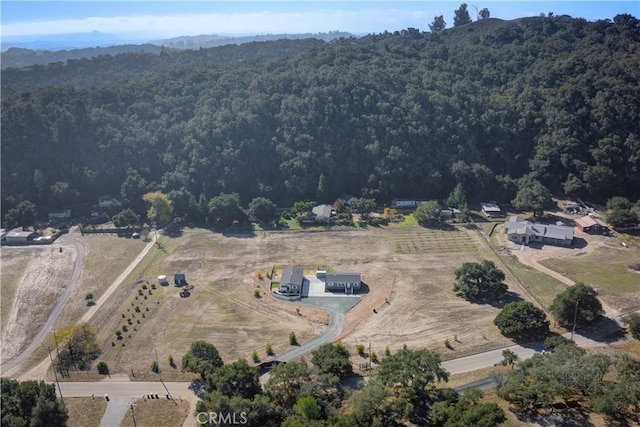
(525, 232)
(346, 282)
(292, 281)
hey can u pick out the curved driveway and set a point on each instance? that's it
(10, 367)
(337, 308)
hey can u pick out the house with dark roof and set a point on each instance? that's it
(524, 232)
(346, 282)
(292, 281)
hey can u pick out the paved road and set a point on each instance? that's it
(117, 409)
(337, 308)
(124, 389)
(584, 338)
(10, 367)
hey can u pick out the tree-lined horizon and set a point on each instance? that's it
(552, 99)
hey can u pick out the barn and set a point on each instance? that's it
(589, 224)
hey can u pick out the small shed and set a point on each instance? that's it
(491, 210)
(19, 237)
(162, 279)
(179, 279)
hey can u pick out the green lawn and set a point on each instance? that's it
(542, 286)
(605, 268)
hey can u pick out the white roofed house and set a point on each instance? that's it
(524, 232)
(346, 282)
(491, 210)
(322, 213)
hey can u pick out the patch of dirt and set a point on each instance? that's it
(46, 272)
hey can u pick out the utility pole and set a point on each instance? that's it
(575, 319)
(370, 366)
(55, 339)
(157, 363)
(133, 416)
(55, 374)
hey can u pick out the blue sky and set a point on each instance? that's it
(161, 19)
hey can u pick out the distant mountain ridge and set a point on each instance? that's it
(25, 52)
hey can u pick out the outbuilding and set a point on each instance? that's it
(19, 237)
(589, 224)
(179, 279)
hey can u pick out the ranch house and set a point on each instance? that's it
(524, 232)
(346, 282)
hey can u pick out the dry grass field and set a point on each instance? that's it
(156, 413)
(85, 411)
(408, 271)
(410, 267)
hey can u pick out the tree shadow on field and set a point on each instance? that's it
(439, 226)
(173, 231)
(506, 299)
(240, 234)
(565, 414)
(605, 331)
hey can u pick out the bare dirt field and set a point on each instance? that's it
(33, 278)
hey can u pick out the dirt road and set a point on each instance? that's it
(40, 370)
(10, 367)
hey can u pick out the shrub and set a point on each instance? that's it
(292, 338)
(269, 349)
(125, 328)
(119, 334)
(374, 357)
(154, 367)
(255, 357)
(172, 362)
(137, 309)
(360, 349)
(387, 352)
(256, 292)
(448, 344)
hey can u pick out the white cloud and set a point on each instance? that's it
(362, 21)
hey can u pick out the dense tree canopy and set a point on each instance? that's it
(480, 281)
(577, 303)
(31, 403)
(225, 210)
(235, 379)
(332, 359)
(569, 372)
(522, 320)
(202, 358)
(380, 116)
(428, 213)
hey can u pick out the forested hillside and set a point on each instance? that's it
(382, 116)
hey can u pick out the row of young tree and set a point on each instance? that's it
(380, 116)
